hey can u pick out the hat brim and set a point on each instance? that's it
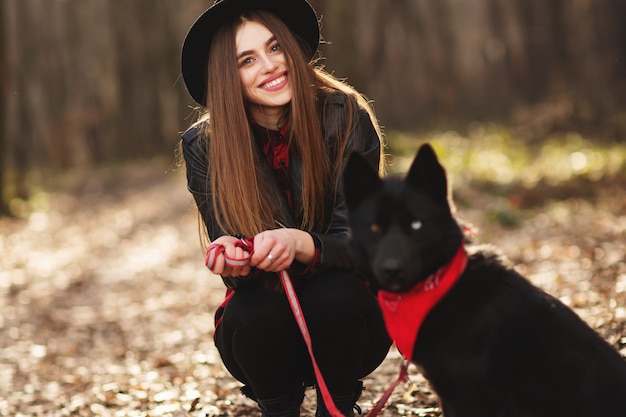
(298, 15)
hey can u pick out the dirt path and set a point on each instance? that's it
(106, 307)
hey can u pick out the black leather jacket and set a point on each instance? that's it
(333, 243)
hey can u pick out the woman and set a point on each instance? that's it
(264, 161)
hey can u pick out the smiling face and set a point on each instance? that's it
(263, 72)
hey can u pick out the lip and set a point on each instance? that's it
(276, 87)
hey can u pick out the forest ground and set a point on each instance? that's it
(107, 309)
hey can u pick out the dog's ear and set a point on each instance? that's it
(428, 175)
(359, 180)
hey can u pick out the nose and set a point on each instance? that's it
(391, 267)
(267, 62)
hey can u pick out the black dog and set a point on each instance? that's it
(490, 343)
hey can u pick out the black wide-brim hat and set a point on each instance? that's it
(298, 15)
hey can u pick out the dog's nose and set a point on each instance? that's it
(391, 266)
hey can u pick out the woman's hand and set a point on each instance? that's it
(275, 250)
(220, 266)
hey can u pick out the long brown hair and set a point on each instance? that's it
(243, 198)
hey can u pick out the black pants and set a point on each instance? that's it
(262, 347)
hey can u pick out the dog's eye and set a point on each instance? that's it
(374, 228)
(416, 225)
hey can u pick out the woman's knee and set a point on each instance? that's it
(256, 308)
(337, 292)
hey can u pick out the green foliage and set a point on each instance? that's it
(507, 179)
(492, 155)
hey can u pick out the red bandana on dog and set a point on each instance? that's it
(405, 312)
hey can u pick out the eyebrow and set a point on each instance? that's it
(248, 52)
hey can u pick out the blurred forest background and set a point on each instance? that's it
(106, 307)
(87, 83)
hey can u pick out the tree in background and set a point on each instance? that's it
(4, 77)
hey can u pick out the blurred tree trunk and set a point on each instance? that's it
(15, 159)
(4, 93)
(136, 74)
(146, 42)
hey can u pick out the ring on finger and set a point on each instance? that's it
(270, 257)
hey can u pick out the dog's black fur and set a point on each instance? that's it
(495, 345)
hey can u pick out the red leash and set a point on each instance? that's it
(299, 316)
(403, 376)
(217, 249)
(247, 244)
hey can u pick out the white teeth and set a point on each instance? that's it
(275, 82)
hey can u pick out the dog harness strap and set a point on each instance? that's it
(404, 313)
(215, 249)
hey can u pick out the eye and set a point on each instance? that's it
(374, 228)
(245, 61)
(275, 48)
(416, 225)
